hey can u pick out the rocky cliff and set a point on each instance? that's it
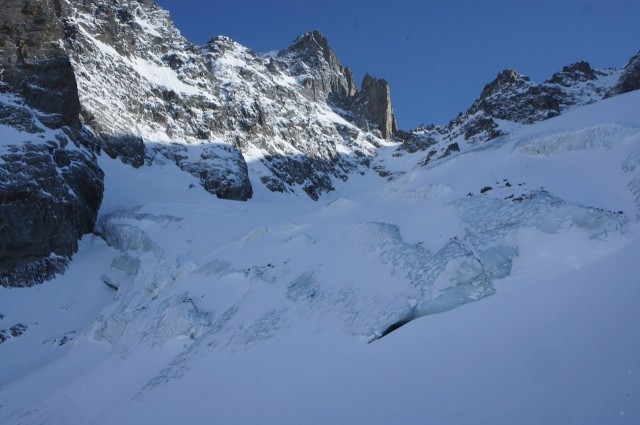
(168, 99)
(318, 69)
(83, 77)
(311, 60)
(50, 184)
(630, 78)
(34, 64)
(372, 107)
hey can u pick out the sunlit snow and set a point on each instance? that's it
(499, 286)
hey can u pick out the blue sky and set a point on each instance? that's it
(436, 55)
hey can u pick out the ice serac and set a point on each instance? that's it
(50, 184)
(630, 78)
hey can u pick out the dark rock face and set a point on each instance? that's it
(579, 71)
(130, 149)
(630, 79)
(33, 62)
(49, 198)
(293, 171)
(221, 168)
(50, 188)
(373, 106)
(577, 84)
(222, 171)
(513, 97)
(416, 142)
(14, 331)
(475, 128)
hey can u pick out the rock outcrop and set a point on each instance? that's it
(630, 78)
(50, 191)
(316, 66)
(288, 113)
(221, 168)
(579, 84)
(513, 99)
(372, 107)
(34, 64)
(50, 184)
(79, 77)
(319, 70)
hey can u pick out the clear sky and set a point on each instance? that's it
(437, 55)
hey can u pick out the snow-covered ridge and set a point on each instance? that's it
(507, 103)
(138, 77)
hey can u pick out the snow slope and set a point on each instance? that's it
(496, 286)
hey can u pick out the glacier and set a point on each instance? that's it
(425, 290)
(270, 248)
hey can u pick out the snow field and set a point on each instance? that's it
(277, 310)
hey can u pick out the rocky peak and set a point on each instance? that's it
(514, 97)
(507, 78)
(579, 84)
(222, 43)
(312, 44)
(630, 78)
(319, 71)
(372, 107)
(206, 107)
(311, 59)
(579, 71)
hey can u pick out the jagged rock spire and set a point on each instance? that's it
(373, 106)
(327, 78)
